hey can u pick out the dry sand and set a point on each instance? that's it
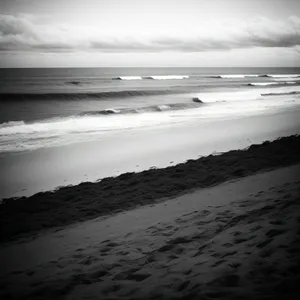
(236, 240)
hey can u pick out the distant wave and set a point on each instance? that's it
(178, 77)
(237, 76)
(282, 93)
(81, 96)
(128, 78)
(284, 75)
(263, 83)
(167, 77)
(221, 76)
(270, 83)
(152, 77)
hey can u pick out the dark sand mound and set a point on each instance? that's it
(89, 200)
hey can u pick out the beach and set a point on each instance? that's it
(150, 150)
(220, 227)
(150, 184)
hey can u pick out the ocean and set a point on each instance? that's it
(65, 126)
(41, 108)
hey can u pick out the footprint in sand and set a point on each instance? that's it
(88, 261)
(264, 243)
(219, 262)
(266, 253)
(236, 233)
(191, 213)
(258, 227)
(240, 240)
(274, 232)
(99, 273)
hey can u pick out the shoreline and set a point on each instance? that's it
(25, 174)
(69, 205)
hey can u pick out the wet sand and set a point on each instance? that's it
(236, 240)
(24, 174)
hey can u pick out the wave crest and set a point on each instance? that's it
(128, 78)
(167, 77)
(152, 77)
(239, 76)
(271, 83)
(12, 123)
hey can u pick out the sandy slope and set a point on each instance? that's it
(237, 240)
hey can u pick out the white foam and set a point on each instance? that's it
(264, 83)
(284, 75)
(112, 110)
(130, 77)
(167, 77)
(56, 131)
(233, 76)
(247, 94)
(163, 107)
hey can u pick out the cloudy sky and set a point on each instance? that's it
(103, 33)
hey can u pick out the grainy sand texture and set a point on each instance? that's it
(239, 239)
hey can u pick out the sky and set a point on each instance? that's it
(152, 33)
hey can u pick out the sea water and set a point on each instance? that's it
(51, 107)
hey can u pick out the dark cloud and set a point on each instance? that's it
(21, 34)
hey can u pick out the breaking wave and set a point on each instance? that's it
(104, 112)
(236, 76)
(35, 134)
(146, 109)
(221, 76)
(284, 75)
(239, 76)
(271, 83)
(41, 132)
(224, 76)
(152, 77)
(167, 77)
